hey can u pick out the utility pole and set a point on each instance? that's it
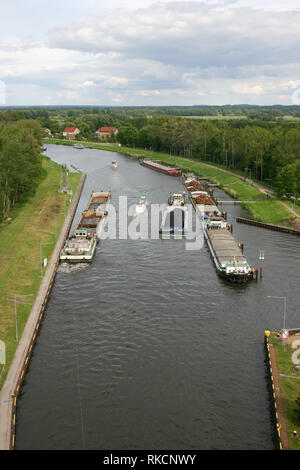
(284, 309)
(293, 194)
(41, 255)
(18, 302)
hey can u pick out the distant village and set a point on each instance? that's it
(73, 133)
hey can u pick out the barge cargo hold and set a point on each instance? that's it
(160, 167)
(227, 255)
(81, 245)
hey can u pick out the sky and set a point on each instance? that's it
(149, 53)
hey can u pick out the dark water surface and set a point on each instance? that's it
(146, 348)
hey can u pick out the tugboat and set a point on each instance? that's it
(175, 216)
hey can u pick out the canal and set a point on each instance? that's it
(146, 348)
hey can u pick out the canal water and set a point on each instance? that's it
(147, 348)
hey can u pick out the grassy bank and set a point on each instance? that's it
(264, 210)
(289, 388)
(32, 223)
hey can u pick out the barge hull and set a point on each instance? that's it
(159, 167)
(222, 246)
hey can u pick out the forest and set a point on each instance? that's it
(261, 142)
(267, 152)
(20, 161)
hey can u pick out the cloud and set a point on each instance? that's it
(245, 89)
(188, 52)
(188, 34)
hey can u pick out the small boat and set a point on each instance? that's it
(44, 148)
(114, 164)
(141, 205)
(78, 146)
(175, 217)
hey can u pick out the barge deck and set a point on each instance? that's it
(227, 255)
(81, 245)
(160, 167)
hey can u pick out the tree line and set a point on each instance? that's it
(266, 149)
(20, 161)
(268, 152)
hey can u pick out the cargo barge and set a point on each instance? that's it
(227, 255)
(80, 247)
(168, 170)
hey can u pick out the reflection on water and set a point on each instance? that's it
(146, 348)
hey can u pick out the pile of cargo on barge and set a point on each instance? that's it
(228, 256)
(81, 245)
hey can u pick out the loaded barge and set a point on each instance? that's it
(228, 256)
(168, 170)
(81, 245)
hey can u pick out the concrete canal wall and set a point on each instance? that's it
(15, 376)
(277, 228)
(277, 401)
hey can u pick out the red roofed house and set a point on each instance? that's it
(70, 132)
(106, 131)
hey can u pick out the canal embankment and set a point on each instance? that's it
(276, 228)
(284, 387)
(115, 359)
(19, 363)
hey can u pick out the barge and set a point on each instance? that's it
(80, 247)
(227, 255)
(168, 170)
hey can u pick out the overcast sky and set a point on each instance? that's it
(141, 52)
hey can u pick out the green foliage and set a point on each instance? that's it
(261, 143)
(20, 162)
(297, 408)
